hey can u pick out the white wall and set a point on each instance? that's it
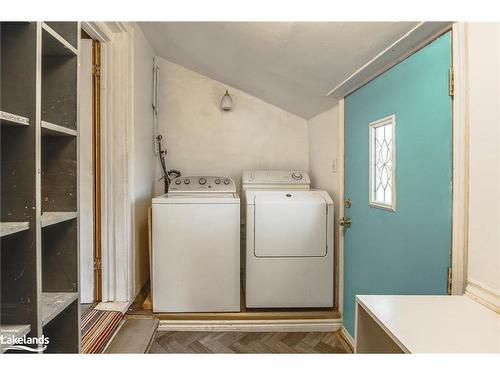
(201, 139)
(86, 182)
(323, 153)
(142, 156)
(484, 157)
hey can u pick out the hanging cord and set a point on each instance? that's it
(168, 175)
(162, 153)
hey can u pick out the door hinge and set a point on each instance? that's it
(451, 83)
(97, 264)
(96, 70)
(448, 281)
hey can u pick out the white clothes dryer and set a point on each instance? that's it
(289, 241)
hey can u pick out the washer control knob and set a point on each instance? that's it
(217, 181)
(186, 181)
(226, 181)
(297, 176)
(202, 181)
(178, 182)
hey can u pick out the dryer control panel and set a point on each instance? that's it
(273, 177)
(201, 184)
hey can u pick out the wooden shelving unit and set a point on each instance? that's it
(7, 118)
(18, 188)
(13, 227)
(55, 44)
(51, 218)
(49, 129)
(54, 303)
(39, 181)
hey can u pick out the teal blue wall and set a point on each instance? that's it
(407, 251)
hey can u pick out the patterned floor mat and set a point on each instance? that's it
(98, 326)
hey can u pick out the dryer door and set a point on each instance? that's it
(290, 224)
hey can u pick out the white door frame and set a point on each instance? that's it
(85, 174)
(460, 166)
(460, 216)
(116, 123)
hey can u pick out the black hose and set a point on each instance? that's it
(167, 174)
(161, 154)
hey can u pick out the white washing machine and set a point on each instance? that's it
(289, 241)
(196, 246)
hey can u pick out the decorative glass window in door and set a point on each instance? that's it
(383, 163)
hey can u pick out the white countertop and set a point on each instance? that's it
(436, 324)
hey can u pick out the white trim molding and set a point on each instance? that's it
(412, 41)
(289, 325)
(340, 228)
(98, 31)
(348, 337)
(483, 294)
(116, 130)
(117, 249)
(460, 191)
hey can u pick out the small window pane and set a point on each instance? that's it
(382, 153)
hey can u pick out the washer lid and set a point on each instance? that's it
(290, 224)
(290, 177)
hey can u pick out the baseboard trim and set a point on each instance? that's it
(483, 295)
(348, 338)
(306, 325)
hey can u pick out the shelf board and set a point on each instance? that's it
(53, 303)
(50, 129)
(55, 45)
(7, 228)
(51, 218)
(7, 118)
(13, 330)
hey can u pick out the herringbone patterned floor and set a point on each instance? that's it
(248, 342)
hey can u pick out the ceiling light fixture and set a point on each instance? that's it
(226, 103)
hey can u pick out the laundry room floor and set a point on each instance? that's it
(242, 342)
(249, 342)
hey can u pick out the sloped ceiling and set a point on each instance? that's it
(291, 65)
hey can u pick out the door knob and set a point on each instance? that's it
(345, 222)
